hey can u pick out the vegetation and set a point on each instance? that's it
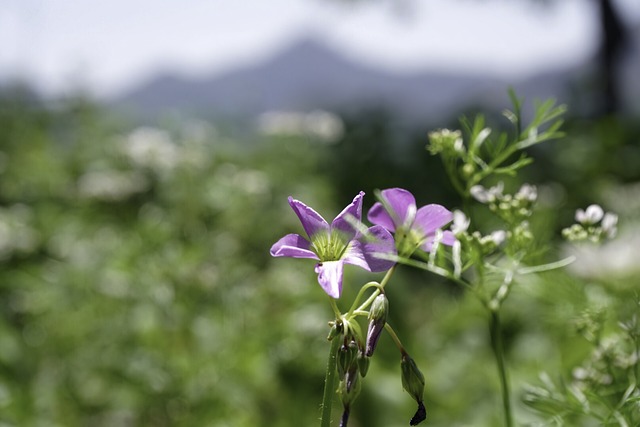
(136, 285)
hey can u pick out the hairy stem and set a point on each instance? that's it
(329, 383)
(498, 351)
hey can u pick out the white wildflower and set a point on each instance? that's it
(591, 215)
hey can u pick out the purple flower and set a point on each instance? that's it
(336, 244)
(413, 228)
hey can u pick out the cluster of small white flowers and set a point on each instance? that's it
(527, 192)
(320, 125)
(195, 142)
(522, 234)
(151, 148)
(517, 206)
(111, 185)
(487, 195)
(592, 224)
(16, 235)
(460, 226)
(616, 258)
(447, 141)
(252, 182)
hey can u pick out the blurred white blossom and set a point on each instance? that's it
(498, 237)
(151, 148)
(487, 195)
(613, 259)
(252, 182)
(592, 224)
(527, 192)
(16, 234)
(320, 125)
(609, 224)
(111, 185)
(460, 222)
(591, 215)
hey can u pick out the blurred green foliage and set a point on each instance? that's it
(136, 287)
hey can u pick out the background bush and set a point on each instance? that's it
(136, 287)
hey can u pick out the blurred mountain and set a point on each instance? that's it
(308, 75)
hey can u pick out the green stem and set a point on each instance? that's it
(635, 338)
(383, 283)
(335, 308)
(498, 351)
(359, 296)
(395, 338)
(637, 365)
(329, 382)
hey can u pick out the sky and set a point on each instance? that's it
(108, 46)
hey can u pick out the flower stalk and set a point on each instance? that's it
(329, 382)
(497, 345)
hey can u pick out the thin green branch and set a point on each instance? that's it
(395, 338)
(354, 306)
(335, 308)
(547, 267)
(383, 283)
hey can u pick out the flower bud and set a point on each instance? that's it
(363, 364)
(413, 383)
(377, 320)
(345, 418)
(347, 357)
(349, 387)
(468, 170)
(419, 416)
(336, 329)
(412, 378)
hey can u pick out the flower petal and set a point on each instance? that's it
(402, 205)
(353, 211)
(378, 215)
(312, 221)
(330, 277)
(366, 251)
(448, 238)
(294, 246)
(431, 217)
